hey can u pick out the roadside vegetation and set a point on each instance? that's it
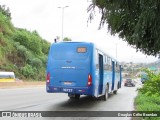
(148, 98)
(135, 21)
(21, 51)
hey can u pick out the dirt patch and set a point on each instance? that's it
(21, 84)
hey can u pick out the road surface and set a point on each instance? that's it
(36, 99)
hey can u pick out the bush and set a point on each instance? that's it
(152, 85)
(21, 50)
(43, 59)
(8, 67)
(45, 47)
(16, 44)
(28, 56)
(21, 37)
(36, 62)
(30, 40)
(41, 76)
(6, 26)
(148, 98)
(35, 44)
(28, 71)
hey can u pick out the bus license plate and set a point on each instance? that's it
(67, 90)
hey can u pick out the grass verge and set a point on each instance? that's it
(147, 103)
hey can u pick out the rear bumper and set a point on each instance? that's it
(70, 90)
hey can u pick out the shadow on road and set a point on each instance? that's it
(124, 97)
(84, 101)
(87, 102)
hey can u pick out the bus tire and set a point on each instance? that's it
(105, 96)
(115, 91)
(118, 86)
(71, 96)
(74, 96)
(77, 96)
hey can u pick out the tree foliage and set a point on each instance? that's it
(67, 39)
(30, 40)
(32, 50)
(28, 71)
(45, 47)
(152, 85)
(5, 11)
(21, 51)
(6, 26)
(135, 21)
(36, 62)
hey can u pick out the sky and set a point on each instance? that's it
(45, 16)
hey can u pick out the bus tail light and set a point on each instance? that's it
(89, 83)
(48, 78)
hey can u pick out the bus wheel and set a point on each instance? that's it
(105, 97)
(74, 96)
(77, 96)
(71, 96)
(115, 91)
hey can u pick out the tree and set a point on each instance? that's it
(31, 41)
(5, 11)
(135, 21)
(6, 27)
(36, 63)
(67, 39)
(45, 46)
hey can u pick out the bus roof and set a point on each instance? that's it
(72, 42)
(91, 44)
(6, 73)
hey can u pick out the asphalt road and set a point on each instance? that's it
(36, 99)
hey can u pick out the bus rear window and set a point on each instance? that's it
(68, 51)
(81, 49)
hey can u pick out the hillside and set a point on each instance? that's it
(21, 51)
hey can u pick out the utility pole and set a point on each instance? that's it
(63, 18)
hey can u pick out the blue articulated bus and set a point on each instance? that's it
(79, 68)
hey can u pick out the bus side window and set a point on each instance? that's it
(97, 60)
(109, 64)
(118, 67)
(105, 64)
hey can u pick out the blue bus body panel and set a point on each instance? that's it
(108, 79)
(69, 69)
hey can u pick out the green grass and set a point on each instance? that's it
(147, 103)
